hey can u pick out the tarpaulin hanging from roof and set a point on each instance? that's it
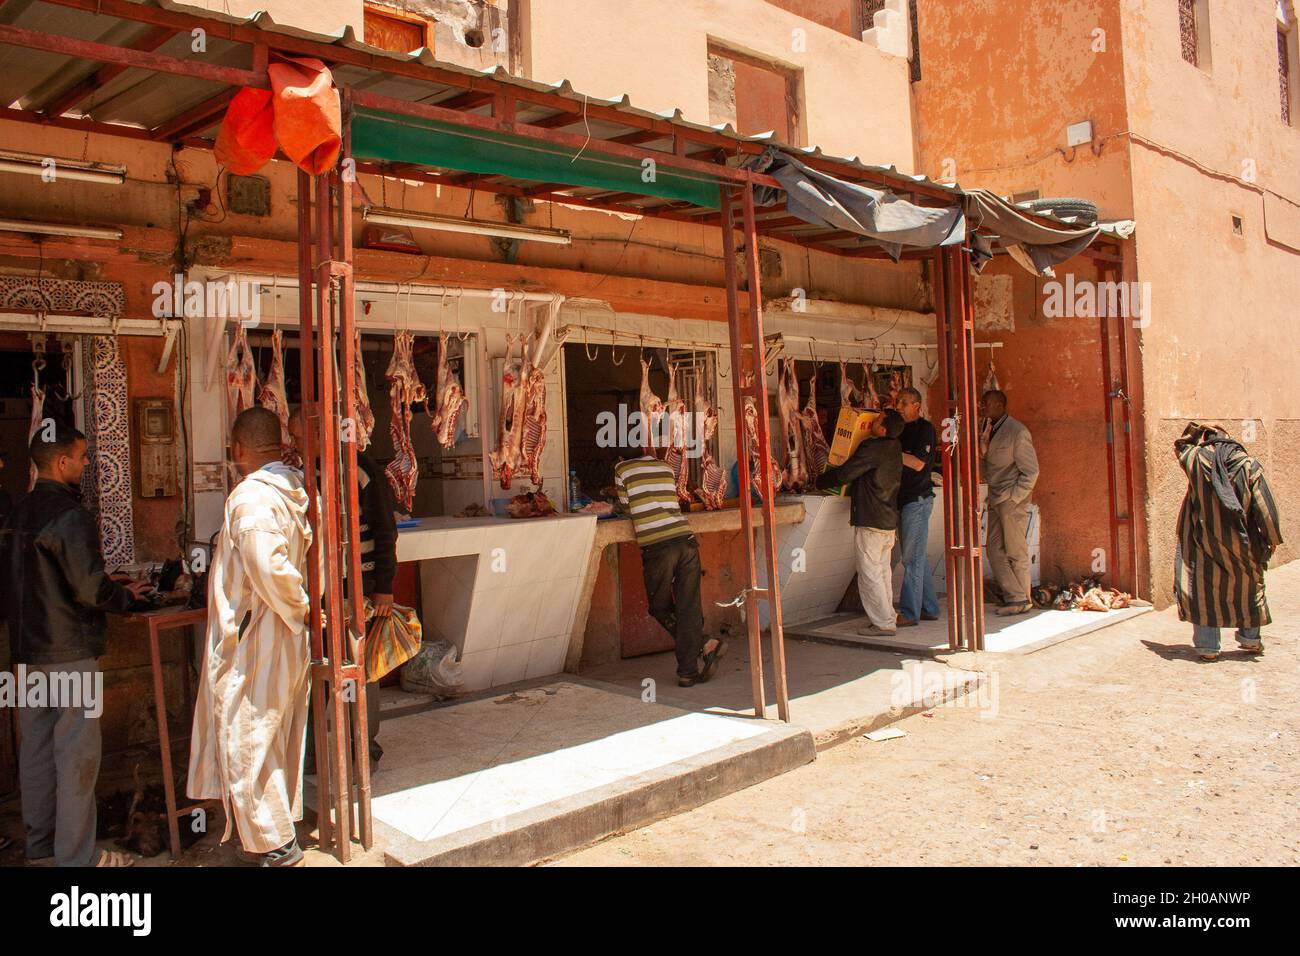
(300, 114)
(894, 223)
(1035, 246)
(384, 136)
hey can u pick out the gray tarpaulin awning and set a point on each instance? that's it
(891, 221)
(1036, 246)
(896, 224)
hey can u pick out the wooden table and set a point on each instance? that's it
(171, 619)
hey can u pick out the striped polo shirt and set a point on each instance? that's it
(646, 487)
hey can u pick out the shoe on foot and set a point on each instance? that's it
(904, 621)
(1252, 647)
(688, 681)
(710, 661)
(1209, 656)
(872, 631)
(929, 617)
(1013, 610)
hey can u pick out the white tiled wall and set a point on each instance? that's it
(826, 540)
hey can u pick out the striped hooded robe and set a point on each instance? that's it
(250, 716)
(1227, 532)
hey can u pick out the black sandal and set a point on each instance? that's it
(711, 661)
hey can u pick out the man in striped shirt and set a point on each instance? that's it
(670, 562)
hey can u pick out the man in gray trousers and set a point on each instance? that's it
(1010, 466)
(55, 593)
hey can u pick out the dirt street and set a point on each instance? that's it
(1117, 748)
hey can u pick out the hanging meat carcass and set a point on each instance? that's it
(895, 390)
(713, 485)
(361, 397)
(533, 439)
(241, 374)
(274, 397)
(507, 460)
(38, 413)
(652, 407)
(850, 394)
(404, 390)
(449, 399)
(751, 430)
(675, 457)
(794, 475)
(814, 439)
(869, 389)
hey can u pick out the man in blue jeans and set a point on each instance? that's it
(915, 502)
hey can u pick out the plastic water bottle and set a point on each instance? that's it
(575, 490)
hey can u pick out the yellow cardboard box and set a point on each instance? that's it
(851, 428)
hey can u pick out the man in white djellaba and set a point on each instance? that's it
(250, 719)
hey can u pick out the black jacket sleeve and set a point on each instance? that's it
(377, 512)
(73, 540)
(866, 457)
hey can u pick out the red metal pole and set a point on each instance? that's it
(329, 530)
(307, 378)
(952, 590)
(757, 355)
(1129, 454)
(744, 454)
(351, 482)
(971, 418)
(1112, 455)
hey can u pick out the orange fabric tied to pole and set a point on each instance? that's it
(300, 114)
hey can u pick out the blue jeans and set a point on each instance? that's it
(1207, 638)
(918, 595)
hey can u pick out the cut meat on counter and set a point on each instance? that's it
(404, 389)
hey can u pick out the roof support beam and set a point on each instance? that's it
(65, 101)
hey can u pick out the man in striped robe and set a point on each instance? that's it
(1227, 532)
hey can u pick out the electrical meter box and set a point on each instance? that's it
(156, 441)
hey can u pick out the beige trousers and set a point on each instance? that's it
(876, 575)
(1009, 549)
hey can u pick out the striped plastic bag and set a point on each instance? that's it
(391, 641)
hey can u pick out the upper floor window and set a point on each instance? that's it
(754, 96)
(390, 29)
(1194, 31)
(1287, 57)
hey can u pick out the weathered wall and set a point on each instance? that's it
(1001, 81)
(1221, 343)
(660, 61)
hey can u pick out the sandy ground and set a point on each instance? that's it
(1117, 748)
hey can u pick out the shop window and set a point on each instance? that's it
(603, 384)
(397, 32)
(460, 464)
(1194, 32)
(1288, 62)
(753, 96)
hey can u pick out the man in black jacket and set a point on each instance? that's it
(378, 542)
(873, 474)
(56, 591)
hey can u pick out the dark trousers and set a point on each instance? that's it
(59, 765)
(672, 587)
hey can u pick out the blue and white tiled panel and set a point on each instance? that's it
(827, 559)
(509, 606)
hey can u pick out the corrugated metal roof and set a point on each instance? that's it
(139, 98)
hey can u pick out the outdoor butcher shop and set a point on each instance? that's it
(563, 434)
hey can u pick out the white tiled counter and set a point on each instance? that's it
(503, 590)
(828, 561)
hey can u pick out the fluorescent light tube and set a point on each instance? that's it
(70, 169)
(502, 230)
(59, 229)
